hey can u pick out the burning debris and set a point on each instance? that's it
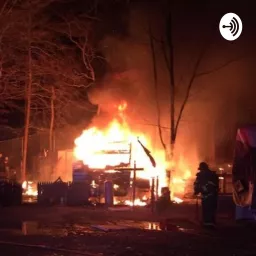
(117, 145)
(29, 188)
(177, 200)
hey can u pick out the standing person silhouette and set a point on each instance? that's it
(207, 184)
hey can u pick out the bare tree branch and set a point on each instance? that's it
(190, 83)
(216, 69)
(84, 49)
(156, 86)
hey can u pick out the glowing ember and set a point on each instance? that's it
(137, 202)
(24, 185)
(115, 186)
(177, 200)
(29, 188)
(122, 107)
(144, 198)
(93, 184)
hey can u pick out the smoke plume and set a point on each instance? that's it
(211, 111)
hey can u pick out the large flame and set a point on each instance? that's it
(119, 139)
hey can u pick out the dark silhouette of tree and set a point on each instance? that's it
(165, 45)
(46, 65)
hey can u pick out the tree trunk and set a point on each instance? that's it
(28, 105)
(172, 86)
(172, 93)
(155, 77)
(51, 132)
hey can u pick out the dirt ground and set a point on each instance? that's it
(36, 230)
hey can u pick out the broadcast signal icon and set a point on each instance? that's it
(233, 26)
(232, 31)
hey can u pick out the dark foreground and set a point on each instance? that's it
(33, 230)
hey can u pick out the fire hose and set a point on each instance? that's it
(49, 248)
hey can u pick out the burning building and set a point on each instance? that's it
(110, 151)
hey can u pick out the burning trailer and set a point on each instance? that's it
(116, 183)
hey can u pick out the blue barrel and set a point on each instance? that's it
(109, 193)
(79, 176)
(79, 173)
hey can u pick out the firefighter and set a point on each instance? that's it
(207, 184)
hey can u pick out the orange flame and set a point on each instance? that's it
(29, 188)
(117, 144)
(122, 107)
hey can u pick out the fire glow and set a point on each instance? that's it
(119, 137)
(29, 188)
(93, 141)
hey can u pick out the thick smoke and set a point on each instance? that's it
(210, 114)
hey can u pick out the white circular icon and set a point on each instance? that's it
(230, 26)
